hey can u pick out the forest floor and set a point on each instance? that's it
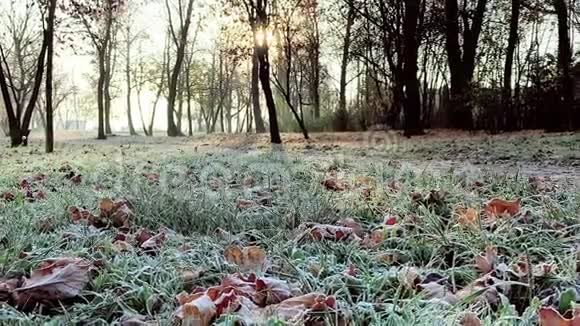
(353, 228)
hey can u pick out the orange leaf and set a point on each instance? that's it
(551, 317)
(250, 258)
(199, 311)
(499, 207)
(467, 217)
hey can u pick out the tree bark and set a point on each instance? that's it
(264, 74)
(255, 93)
(49, 61)
(344, 67)
(132, 131)
(412, 102)
(181, 43)
(510, 121)
(462, 65)
(101, 96)
(561, 118)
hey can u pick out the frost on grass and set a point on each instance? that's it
(212, 239)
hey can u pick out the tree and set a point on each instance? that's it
(180, 41)
(509, 62)
(49, 65)
(20, 102)
(346, 44)
(562, 118)
(259, 18)
(461, 59)
(412, 101)
(97, 18)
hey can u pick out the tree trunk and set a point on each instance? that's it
(343, 68)
(132, 131)
(49, 60)
(107, 89)
(460, 114)
(264, 74)
(181, 43)
(562, 118)
(260, 127)
(412, 103)
(101, 96)
(510, 121)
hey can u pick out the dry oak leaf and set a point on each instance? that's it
(329, 232)
(54, 280)
(151, 243)
(245, 203)
(499, 208)
(294, 310)
(250, 258)
(470, 319)
(334, 184)
(486, 262)
(198, 310)
(551, 317)
(467, 217)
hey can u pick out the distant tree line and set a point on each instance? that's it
(296, 65)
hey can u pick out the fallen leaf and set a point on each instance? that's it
(153, 243)
(245, 203)
(54, 280)
(199, 311)
(551, 317)
(295, 310)
(469, 319)
(500, 208)
(467, 217)
(351, 223)
(330, 232)
(332, 183)
(486, 262)
(7, 196)
(249, 258)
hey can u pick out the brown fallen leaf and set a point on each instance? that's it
(245, 203)
(153, 243)
(469, 319)
(54, 280)
(295, 310)
(248, 258)
(7, 196)
(198, 310)
(551, 317)
(486, 262)
(351, 223)
(467, 217)
(332, 183)
(499, 208)
(329, 232)
(7, 288)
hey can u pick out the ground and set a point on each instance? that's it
(399, 231)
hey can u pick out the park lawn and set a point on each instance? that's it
(405, 254)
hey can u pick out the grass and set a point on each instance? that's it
(188, 204)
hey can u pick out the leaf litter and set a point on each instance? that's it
(258, 281)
